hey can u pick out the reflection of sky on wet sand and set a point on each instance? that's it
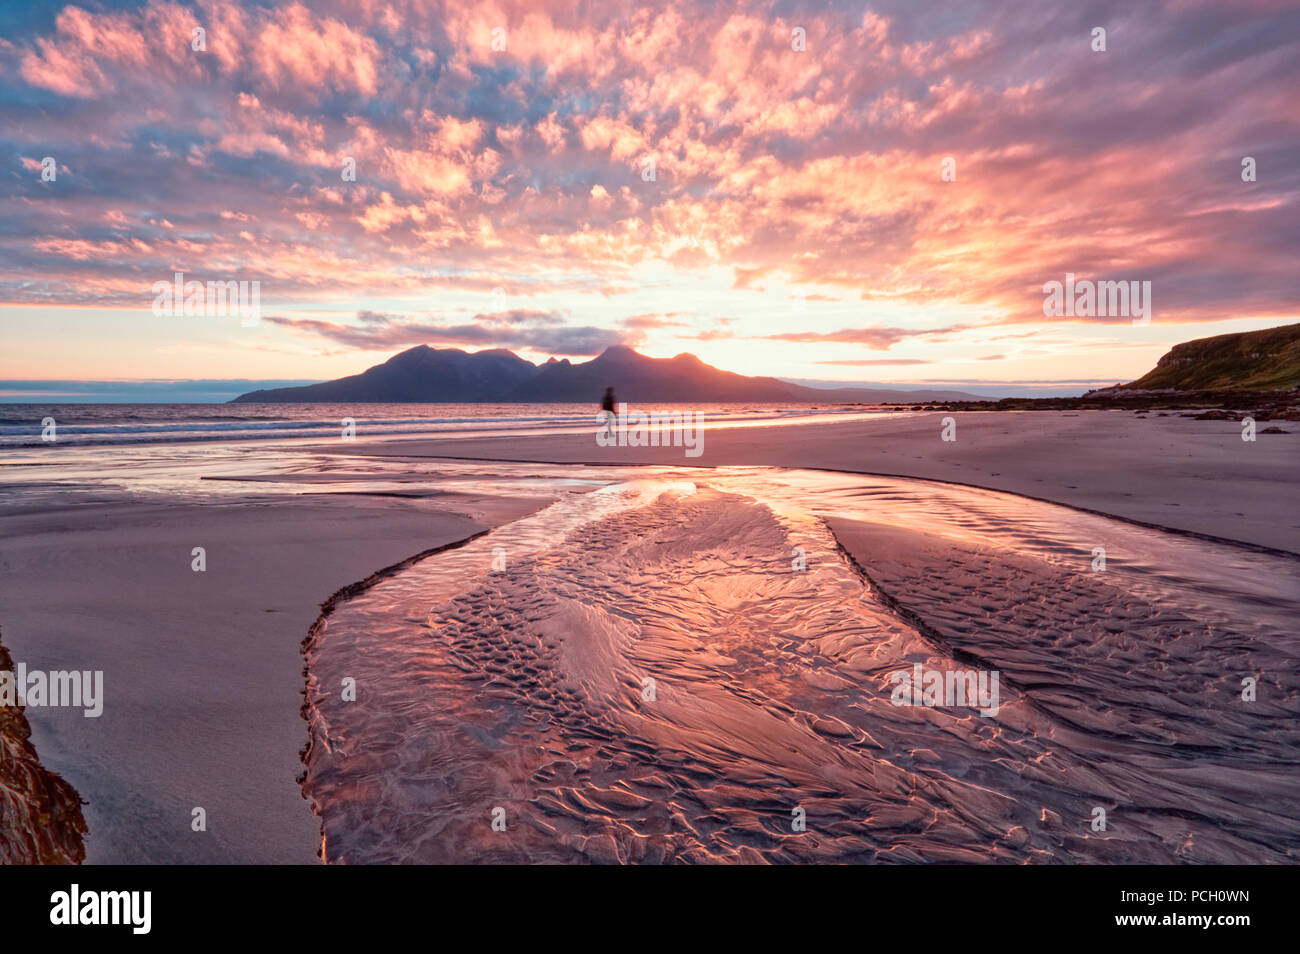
(524, 688)
(986, 517)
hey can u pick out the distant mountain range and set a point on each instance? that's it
(449, 375)
(1247, 361)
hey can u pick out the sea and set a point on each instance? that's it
(29, 425)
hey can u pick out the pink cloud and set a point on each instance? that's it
(297, 48)
(778, 167)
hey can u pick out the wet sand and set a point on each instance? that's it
(771, 611)
(203, 672)
(1174, 472)
(535, 669)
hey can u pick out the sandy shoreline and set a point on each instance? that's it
(523, 692)
(203, 673)
(1172, 472)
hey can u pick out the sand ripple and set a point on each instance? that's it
(648, 679)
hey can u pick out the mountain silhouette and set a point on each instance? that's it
(451, 376)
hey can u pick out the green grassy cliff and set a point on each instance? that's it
(1251, 361)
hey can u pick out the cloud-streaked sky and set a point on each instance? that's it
(797, 223)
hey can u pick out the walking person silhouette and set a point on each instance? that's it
(607, 411)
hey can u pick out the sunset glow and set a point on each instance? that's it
(798, 221)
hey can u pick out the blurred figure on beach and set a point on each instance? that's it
(607, 411)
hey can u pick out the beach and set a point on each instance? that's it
(203, 670)
(1165, 470)
(518, 435)
(769, 588)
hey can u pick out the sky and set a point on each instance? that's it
(857, 193)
